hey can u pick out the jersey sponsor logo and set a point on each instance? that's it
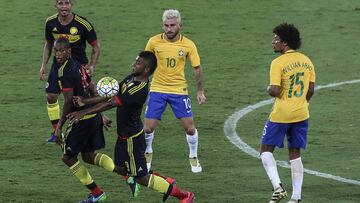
(140, 169)
(73, 30)
(71, 38)
(181, 53)
(54, 29)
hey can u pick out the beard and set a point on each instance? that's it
(171, 35)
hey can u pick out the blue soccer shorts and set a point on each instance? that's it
(156, 105)
(296, 133)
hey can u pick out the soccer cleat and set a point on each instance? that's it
(294, 201)
(189, 198)
(51, 139)
(148, 157)
(279, 194)
(91, 198)
(134, 186)
(195, 165)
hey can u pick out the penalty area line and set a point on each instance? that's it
(230, 132)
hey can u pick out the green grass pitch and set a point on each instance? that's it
(234, 42)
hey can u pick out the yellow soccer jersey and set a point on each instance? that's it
(169, 76)
(292, 71)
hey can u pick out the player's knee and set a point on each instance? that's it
(190, 130)
(51, 98)
(68, 160)
(148, 129)
(88, 157)
(143, 180)
(120, 170)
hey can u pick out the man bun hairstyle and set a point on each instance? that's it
(288, 33)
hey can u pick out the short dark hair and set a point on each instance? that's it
(150, 58)
(288, 33)
(62, 40)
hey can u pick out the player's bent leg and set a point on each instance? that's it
(81, 172)
(270, 167)
(192, 139)
(53, 109)
(104, 161)
(149, 128)
(130, 181)
(159, 184)
(269, 163)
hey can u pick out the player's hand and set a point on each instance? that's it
(75, 116)
(106, 121)
(42, 73)
(78, 101)
(90, 70)
(59, 139)
(201, 97)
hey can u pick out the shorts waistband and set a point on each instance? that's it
(132, 136)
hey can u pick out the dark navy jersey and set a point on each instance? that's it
(74, 78)
(130, 100)
(78, 32)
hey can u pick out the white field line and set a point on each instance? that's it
(230, 133)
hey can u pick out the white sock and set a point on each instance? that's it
(149, 139)
(269, 164)
(297, 175)
(192, 141)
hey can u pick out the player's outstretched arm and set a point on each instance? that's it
(200, 84)
(80, 101)
(100, 107)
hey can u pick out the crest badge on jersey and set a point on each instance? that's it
(73, 30)
(181, 53)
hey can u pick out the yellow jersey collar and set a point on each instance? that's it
(289, 51)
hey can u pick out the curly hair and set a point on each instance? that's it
(288, 33)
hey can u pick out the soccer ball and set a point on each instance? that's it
(107, 87)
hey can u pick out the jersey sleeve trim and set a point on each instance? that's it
(93, 42)
(137, 88)
(51, 17)
(83, 22)
(118, 100)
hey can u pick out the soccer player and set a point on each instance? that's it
(292, 80)
(78, 30)
(130, 146)
(85, 136)
(169, 85)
